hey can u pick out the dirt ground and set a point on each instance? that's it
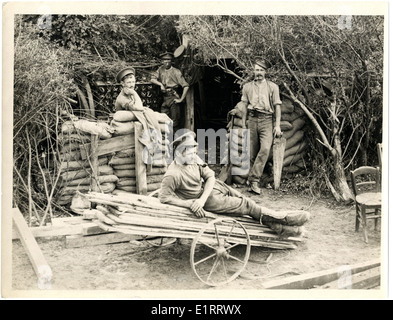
(330, 242)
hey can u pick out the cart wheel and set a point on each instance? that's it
(220, 251)
(160, 241)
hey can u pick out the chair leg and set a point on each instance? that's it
(364, 223)
(358, 217)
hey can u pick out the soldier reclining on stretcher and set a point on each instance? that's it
(190, 183)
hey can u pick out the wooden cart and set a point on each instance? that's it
(221, 245)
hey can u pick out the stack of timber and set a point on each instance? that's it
(129, 164)
(75, 171)
(147, 216)
(293, 122)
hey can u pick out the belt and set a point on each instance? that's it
(258, 114)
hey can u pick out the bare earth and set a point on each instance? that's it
(330, 242)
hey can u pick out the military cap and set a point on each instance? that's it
(124, 72)
(185, 140)
(166, 55)
(262, 63)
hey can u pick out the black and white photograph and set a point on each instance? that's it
(202, 149)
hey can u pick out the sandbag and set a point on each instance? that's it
(156, 171)
(73, 137)
(126, 182)
(87, 180)
(298, 136)
(71, 156)
(124, 116)
(285, 125)
(124, 166)
(290, 117)
(64, 200)
(101, 129)
(299, 147)
(153, 186)
(287, 106)
(131, 189)
(293, 158)
(125, 173)
(68, 147)
(126, 153)
(68, 127)
(122, 128)
(76, 165)
(79, 204)
(116, 161)
(77, 174)
(296, 126)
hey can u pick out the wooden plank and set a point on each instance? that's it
(109, 145)
(55, 230)
(278, 158)
(367, 279)
(94, 162)
(311, 280)
(140, 166)
(37, 259)
(76, 241)
(92, 230)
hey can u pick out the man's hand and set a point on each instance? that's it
(178, 100)
(277, 132)
(200, 213)
(162, 88)
(197, 205)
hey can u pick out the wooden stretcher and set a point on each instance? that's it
(221, 245)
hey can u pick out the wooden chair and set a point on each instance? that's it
(367, 190)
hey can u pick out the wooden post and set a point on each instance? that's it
(94, 162)
(140, 166)
(189, 121)
(37, 259)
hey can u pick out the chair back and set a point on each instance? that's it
(365, 179)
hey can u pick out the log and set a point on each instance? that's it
(37, 259)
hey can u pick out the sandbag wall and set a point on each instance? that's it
(293, 121)
(124, 162)
(75, 172)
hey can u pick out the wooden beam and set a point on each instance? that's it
(367, 279)
(37, 259)
(109, 145)
(94, 162)
(140, 166)
(312, 280)
(76, 241)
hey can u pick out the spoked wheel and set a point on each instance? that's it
(220, 251)
(160, 241)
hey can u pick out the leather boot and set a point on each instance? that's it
(292, 218)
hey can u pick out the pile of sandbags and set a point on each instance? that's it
(123, 162)
(292, 125)
(75, 173)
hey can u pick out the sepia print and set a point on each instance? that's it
(194, 150)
